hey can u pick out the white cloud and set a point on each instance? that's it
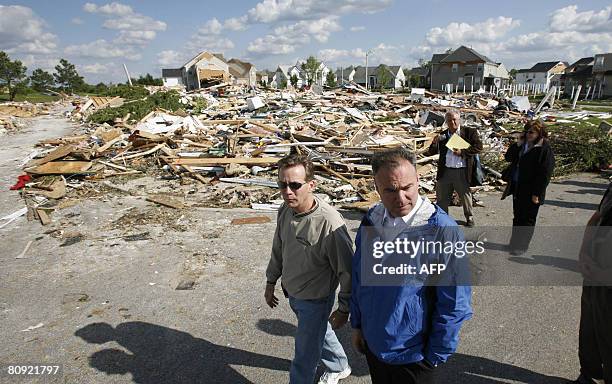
(459, 33)
(22, 31)
(212, 27)
(338, 55)
(77, 21)
(45, 62)
(101, 49)
(125, 18)
(135, 23)
(285, 39)
(568, 19)
(358, 28)
(170, 58)
(96, 68)
(198, 43)
(269, 11)
(135, 37)
(113, 9)
(236, 23)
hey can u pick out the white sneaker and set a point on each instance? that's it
(334, 377)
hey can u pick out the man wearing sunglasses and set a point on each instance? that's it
(312, 252)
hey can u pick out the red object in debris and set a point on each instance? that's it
(21, 182)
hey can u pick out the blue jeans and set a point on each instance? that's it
(315, 340)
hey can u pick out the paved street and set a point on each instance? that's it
(110, 312)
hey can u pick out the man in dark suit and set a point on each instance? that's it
(455, 166)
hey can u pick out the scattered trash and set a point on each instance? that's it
(32, 327)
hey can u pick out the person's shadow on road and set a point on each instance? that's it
(460, 368)
(157, 354)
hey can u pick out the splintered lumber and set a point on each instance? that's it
(195, 174)
(110, 143)
(135, 155)
(57, 153)
(61, 168)
(165, 201)
(251, 220)
(43, 216)
(212, 161)
(56, 190)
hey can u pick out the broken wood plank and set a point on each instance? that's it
(195, 174)
(166, 201)
(135, 155)
(251, 220)
(212, 161)
(111, 143)
(43, 216)
(61, 168)
(57, 153)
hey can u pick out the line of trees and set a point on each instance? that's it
(13, 77)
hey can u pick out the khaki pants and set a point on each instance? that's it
(454, 179)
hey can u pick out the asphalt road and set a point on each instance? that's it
(107, 311)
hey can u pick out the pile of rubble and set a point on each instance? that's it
(12, 114)
(228, 146)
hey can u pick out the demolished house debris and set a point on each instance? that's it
(228, 146)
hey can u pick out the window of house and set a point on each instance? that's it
(460, 81)
(455, 67)
(599, 61)
(479, 67)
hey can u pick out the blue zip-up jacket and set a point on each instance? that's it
(404, 324)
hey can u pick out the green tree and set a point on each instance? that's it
(294, 80)
(384, 76)
(12, 75)
(424, 63)
(311, 68)
(283, 83)
(331, 80)
(67, 77)
(147, 80)
(41, 80)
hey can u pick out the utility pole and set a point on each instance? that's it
(366, 71)
(127, 74)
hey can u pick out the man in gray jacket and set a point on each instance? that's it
(312, 251)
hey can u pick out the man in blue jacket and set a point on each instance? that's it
(405, 322)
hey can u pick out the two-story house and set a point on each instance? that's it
(544, 75)
(242, 72)
(203, 69)
(602, 75)
(579, 73)
(393, 77)
(464, 68)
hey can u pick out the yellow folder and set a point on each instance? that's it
(457, 142)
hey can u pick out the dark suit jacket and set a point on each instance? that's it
(468, 134)
(535, 169)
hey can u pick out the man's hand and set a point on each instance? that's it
(457, 152)
(358, 341)
(535, 199)
(271, 299)
(337, 319)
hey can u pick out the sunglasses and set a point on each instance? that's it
(294, 185)
(533, 132)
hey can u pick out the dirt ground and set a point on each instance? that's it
(95, 292)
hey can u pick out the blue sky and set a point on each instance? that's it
(100, 36)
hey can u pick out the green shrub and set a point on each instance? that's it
(138, 108)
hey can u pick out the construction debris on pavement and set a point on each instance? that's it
(228, 146)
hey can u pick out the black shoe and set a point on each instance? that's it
(470, 223)
(517, 252)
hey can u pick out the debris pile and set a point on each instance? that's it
(223, 142)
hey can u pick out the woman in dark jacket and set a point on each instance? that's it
(532, 163)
